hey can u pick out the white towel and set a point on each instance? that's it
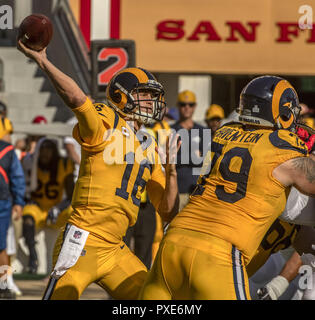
(71, 250)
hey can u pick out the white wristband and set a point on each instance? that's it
(277, 286)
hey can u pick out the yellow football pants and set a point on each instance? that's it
(40, 216)
(192, 265)
(112, 266)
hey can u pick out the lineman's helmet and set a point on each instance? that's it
(269, 101)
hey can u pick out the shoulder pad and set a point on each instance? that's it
(284, 139)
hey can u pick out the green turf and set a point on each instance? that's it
(27, 276)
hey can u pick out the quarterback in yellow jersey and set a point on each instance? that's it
(50, 186)
(253, 165)
(118, 161)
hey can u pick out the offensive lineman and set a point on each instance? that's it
(254, 163)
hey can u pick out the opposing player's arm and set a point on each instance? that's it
(299, 172)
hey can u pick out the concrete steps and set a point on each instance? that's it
(26, 91)
(28, 114)
(13, 83)
(29, 99)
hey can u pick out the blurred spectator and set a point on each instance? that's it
(30, 147)
(32, 140)
(50, 176)
(15, 228)
(24, 148)
(6, 128)
(191, 147)
(12, 243)
(73, 148)
(12, 189)
(214, 117)
(20, 148)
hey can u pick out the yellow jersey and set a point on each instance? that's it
(238, 198)
(5, 127)
(280, 236)
(116, 165)
(49, 191)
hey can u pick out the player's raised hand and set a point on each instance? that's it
(169, 155)
(32, 54)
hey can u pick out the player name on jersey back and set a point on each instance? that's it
(233, 134)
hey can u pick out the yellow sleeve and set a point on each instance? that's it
(93, 121)
(91, 128)
(156, 186)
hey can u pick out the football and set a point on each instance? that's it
(36, 31)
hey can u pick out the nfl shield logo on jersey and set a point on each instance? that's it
(77, 234)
